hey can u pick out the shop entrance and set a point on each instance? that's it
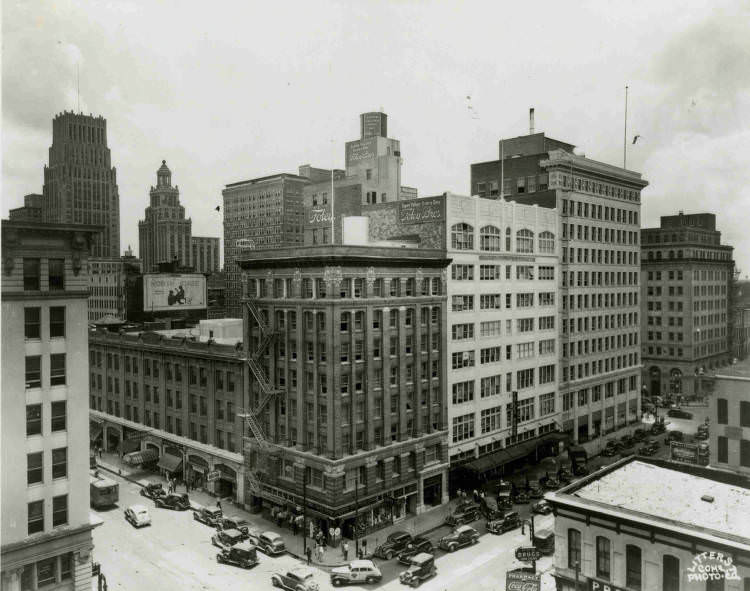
(433, 490)
(226, 485)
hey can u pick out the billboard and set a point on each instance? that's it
(684, 452)
(164, 292)
(420, 211)
(359, 150)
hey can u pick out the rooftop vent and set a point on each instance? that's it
(707, 498)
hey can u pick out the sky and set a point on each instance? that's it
(227, 91)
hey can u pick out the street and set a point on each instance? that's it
(175, 552)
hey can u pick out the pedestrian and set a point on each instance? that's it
(321, 553)
(101, 451)
(475, 494)
(218, 504)
(345, 550)
(309, 555)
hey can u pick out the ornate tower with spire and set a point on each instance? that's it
(165, 234)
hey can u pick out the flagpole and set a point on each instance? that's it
(625, 134)
(333, 209)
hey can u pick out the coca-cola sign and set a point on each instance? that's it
(319, 215)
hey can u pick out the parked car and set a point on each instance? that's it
(137, 516)
(226, 538)
(153, 490)
(612, 448)
(270, 543)
(580, 470)
(657, 428)
(422, 567)
(295, 579)
(176, 502)
(649, 448)
(535, 491)
(542, 508)
(702, 433)
(506, 523)
(393, 544)
(675, 436)
(521, 498)
(418, 545)
(678, 413)
(237, 523)
(627, 441)
(242, 554)
(463, 535)
(208, 515)
(550, 483)
(639, 434)
(465, 512)
(358, 571)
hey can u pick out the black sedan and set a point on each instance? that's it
(417, 545)
(678, 413)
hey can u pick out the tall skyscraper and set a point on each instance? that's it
(165, 235)
(599, 211)
(46, 527)
(80, 183)
(685, 313)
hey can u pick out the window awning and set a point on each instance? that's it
(142, 457)
(170, 463)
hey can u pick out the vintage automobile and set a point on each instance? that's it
(508, 522)
(208, 515)
(237, 523)
(465, 512)
(580, 470)
(675, 436)
(176, 502)
(611, 449)
(153, 490)
(639, 434)
(701, 434)
(542, 508)
(504, 500)
(393, 544)
(649, 448)
(270, 543)
(295, 579)
(358, 571)
(535, 491)
(657, 428)
(521, 498)
(627, 441)
(421, 567)
(242, 554)
(418, 545)
(463, 535)
(137, 516)
(544, 540)
(226, 538)
(550, 482)
(678, 413)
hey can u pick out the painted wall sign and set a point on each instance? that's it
(421, 211)
(361, 150)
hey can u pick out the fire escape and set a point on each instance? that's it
(256, 440)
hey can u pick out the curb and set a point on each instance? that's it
(120, 474)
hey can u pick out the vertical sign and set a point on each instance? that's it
(514, 414)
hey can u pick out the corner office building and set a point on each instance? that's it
(599, 206)
(644, 524)
(345, 409)
(686, 314)
(46, 524)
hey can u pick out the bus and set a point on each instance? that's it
(104, 492)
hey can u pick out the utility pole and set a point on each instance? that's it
(356, 514)
(304, 511)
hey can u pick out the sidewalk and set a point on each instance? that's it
(416, 525)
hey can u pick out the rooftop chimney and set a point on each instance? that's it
(531, 121)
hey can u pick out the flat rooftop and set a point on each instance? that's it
(741, 369)
(669, 495)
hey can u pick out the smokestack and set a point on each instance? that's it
(531, 121)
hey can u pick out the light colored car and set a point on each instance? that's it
(295, 579)
(137, 515)
(358, 571)
(269, 542)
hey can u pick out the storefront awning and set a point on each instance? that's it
(501, 457)
(142, 457)
(95, 431)
(170, 463)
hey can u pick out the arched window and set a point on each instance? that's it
(507, 239)
(633, 568)
(489, 239)
(525, 241)
(574, 548)
(670, 573)
(547, 242)
(462, 237)
(602, 557)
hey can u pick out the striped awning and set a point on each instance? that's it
(142, 457)
(170, 463)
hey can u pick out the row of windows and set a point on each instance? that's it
(347, 288)
(465, 272)
(32, 274)
(33, 373)
(35, 465)
(34, 420)
(490, 419)
(599, 256)
(599, 212)
(462, 238)
(494, 301)
(491, 328)
(600, 322)
(605, 300)
(33, 322)
(710, 255)
(59, 517)
(598, 234)
(592, 368)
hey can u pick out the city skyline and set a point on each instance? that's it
(688, 112)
